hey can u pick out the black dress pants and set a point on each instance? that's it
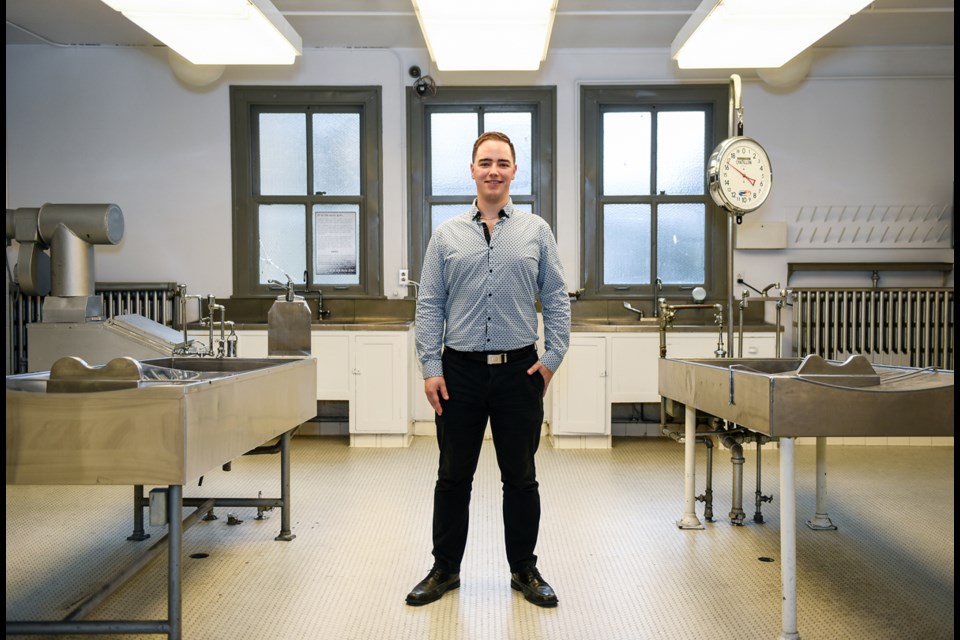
(512, 400)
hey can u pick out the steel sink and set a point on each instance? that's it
(182, 418)
(224, 366)
(784, 397)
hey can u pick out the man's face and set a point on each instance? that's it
(493, 169)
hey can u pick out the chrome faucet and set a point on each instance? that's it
(213, 307)
(321, 312)
(289, 294)
(639, 312)
(669, 311)
(189, 347)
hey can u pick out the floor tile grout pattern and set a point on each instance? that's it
(609, 545)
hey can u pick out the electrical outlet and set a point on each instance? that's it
(739, 278)
(404, 277)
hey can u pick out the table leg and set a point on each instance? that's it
(138, 533)
(175, 569)
(690, 519)
(788, 539)
(821, 519)
(285, 533)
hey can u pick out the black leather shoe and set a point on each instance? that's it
(432, 587)
(534, 588)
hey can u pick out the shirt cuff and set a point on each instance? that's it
(432, 368)
(551, 360)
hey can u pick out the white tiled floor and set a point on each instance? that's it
(609, 545)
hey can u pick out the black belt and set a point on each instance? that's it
(493, 357)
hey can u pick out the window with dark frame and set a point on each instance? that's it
(650, 228)
(441, 131)
(307, 189)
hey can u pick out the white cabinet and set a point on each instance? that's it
(332, 350)
(603, 368)
(633, 367)
(579, 389)
(692, 345)
(379, 407)
(251, 344)
(368, 369)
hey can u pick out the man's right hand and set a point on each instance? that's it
(436, 387)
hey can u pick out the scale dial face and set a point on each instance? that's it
(739, 174)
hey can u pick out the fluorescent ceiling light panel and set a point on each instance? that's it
(494, 35)
(217, 31)
(756, 34)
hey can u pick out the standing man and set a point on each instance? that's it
(476, 331)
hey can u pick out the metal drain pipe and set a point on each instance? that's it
(731, 439)
(736, 514)
(759, 497)
(707, 496)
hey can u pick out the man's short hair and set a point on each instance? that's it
(494, 135)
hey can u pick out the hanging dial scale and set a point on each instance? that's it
(739, 175)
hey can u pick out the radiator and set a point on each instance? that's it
(156, 301)
(907, 327)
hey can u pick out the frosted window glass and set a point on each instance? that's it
(283, 243)
(440, 213)
(337, 244)
(283, 154)
(518, 126)
(681, 239)
(336, 154)
(680, 153)
(626, 153)
(451, 149)
(626, 244)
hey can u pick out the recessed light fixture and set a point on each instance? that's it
(495, 35)
(217, 31)
(756, 34)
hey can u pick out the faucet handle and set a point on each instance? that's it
(773, 285)
(639, 312)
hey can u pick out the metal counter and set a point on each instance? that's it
(164, 421)
(367, 324)
(789, 398)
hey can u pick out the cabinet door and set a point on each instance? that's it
(694, 345)
(332, 351)
(758, 345)
(632, 364)
(379, 396)
(580, 398)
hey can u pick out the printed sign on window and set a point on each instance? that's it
(335, 244)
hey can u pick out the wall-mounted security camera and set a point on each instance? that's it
(425, 86)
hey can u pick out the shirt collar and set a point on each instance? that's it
(504, 213)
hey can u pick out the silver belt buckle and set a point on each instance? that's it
(497, 358)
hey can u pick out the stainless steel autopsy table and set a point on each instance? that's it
(788, 398)
(164, 421)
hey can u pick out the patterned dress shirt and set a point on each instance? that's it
(477, 295)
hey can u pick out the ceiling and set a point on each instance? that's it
(580, 24)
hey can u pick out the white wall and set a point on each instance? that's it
(102, 124)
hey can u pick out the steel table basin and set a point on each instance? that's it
(788, 398)
(165, 421)
(159, 432)
(813, 397)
